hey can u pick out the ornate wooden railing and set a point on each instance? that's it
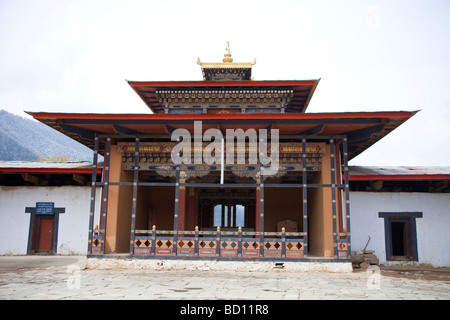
(220, 244)
(97, 242)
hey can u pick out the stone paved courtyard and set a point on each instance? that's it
(66, 278)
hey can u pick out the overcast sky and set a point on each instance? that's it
(75, 55)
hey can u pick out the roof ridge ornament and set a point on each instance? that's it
(227, 56)
(227, 70)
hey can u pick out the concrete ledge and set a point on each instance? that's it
(213, 265)
(42, 262)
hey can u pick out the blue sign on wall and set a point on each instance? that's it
(45, 208)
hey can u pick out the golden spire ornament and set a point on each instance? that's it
(227, 56)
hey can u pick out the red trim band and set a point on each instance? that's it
(400, 177)
(51, 170)
(267, 83)
(205, 116)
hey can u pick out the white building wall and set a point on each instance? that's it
(433, 229)
(73, 224)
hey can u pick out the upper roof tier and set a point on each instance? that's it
(227, 87)
(246, 96)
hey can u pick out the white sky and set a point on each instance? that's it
(74, 56)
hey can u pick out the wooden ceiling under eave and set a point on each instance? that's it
(362, 129)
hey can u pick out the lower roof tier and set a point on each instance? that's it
(362, 129)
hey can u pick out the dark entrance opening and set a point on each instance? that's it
(398, 236)
(227, 209)
(401, 235)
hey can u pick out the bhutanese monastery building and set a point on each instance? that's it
(226, 168)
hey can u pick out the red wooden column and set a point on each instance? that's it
(190, 215)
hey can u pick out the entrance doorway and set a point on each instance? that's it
(44, 235)
(43, 231)
(229, 215)
(401, 236)
(228, 209)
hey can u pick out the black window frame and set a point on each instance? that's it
(409, 219)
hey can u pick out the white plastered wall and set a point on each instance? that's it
(73, 224)
(433, 229)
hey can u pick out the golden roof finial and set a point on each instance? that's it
(226, 70)
(227, 55)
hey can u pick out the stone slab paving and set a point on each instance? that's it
(66, 278)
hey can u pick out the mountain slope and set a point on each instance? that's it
(26, 140)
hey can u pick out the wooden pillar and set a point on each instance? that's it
(93, 191)
(181, 207)
(177, 195)
(305, 196)
(333, 195)
(176, 208)
(347, 194)
(106, 165)
(257, 211)
(261, 215)
(134, 203)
